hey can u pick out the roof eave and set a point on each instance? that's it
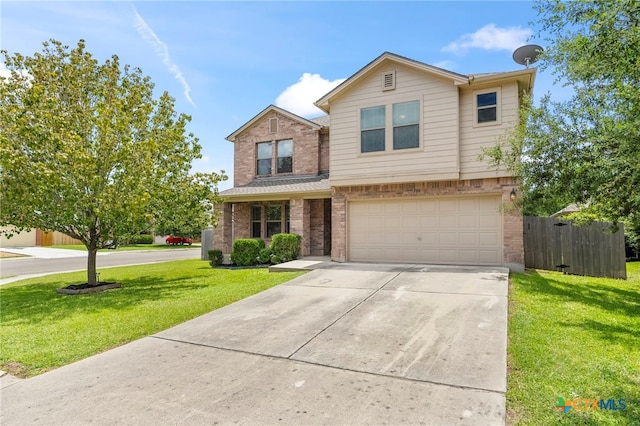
(271, 196)
(526, 75)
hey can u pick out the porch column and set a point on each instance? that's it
(222, 234)
(513, 231)
(338, 226)
(300, 222)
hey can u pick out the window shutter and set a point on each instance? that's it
(273, 125)
(388, 80)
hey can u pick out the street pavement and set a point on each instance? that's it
(343, 344)
(44, 260)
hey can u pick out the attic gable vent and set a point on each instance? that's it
(388, 80)
(273, 125)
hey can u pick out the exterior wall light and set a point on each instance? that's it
(513, 195)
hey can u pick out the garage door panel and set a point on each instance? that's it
(488, 239)
(488, 221)
(468, 238)
(468, 221)
(448, 221)
(448, 230)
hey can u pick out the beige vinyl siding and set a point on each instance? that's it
(437, 156)
(473, 138)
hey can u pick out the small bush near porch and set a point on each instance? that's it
(252, 251)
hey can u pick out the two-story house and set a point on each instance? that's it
(405, 182)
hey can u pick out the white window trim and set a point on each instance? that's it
(388, 129)
(498, 121)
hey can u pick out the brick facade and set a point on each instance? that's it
(306, 147)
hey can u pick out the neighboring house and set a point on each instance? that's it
(36, 237)
(405, 182)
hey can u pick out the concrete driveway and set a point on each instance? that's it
(344, 344)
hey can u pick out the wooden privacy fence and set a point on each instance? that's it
(554, 244)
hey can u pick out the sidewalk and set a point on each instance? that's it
(47, 252)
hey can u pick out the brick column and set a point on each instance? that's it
(338, 227)
(513, 232)
(300, 222)
(222, 234)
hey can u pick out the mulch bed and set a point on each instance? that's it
(87, 288)
(234, 266)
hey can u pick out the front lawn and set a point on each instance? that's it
(42, 330)
(574, 338)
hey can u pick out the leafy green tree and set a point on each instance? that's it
(584, 150)
(86, 150)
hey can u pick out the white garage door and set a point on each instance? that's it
(448, 230)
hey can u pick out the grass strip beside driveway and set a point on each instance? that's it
(42, 330)
(574, 338)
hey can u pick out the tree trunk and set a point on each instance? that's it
(91, 266)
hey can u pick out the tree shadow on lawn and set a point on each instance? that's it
(615, 334)
(603, 296)
(35, 303)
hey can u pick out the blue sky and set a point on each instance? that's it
(224, 62)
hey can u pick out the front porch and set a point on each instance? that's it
(309, 218)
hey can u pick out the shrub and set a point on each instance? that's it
(246, 251)
(215, 257)
(261, 243)
(264, 256)
(285, 247)
(141, 239)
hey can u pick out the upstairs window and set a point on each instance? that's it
(263, 166)
(406, 125)
(372, 129)
(486, 104)
(285, 156)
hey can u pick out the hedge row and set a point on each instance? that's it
(253, 251)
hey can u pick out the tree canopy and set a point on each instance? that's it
(87, 150)
(584, 150)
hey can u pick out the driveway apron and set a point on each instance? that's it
(344, 344)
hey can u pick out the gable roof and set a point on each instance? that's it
(323, 102)
(273, 108)
(456, 79)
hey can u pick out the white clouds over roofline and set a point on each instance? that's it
(490, 37)
(300, 96)
(162, 51)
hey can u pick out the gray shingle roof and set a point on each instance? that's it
(323, 120)
(281, 185)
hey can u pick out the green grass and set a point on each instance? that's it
(131, 247)
(573, 337)
(41, 330)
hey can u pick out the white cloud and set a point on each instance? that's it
(299, 97)
(162, 51)
(491, 37)
(445, 65)
(4, 71)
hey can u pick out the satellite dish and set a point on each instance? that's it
(527, 54)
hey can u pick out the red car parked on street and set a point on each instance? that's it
(178, 240)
